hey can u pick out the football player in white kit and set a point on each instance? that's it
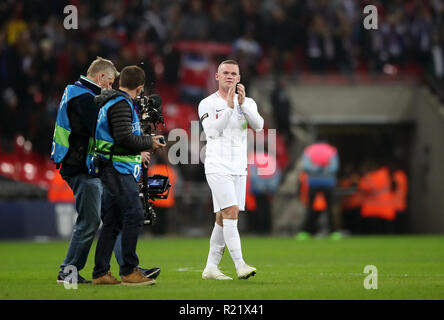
(225, 116)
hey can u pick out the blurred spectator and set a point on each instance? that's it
(16, 25)
(280, 40)
(173, 21)
(154, 24)
(221, 29)
(421, 29)
(321, 163)
(378, 209)
(247, 52)
(171, 62)
(247, 14)
(351, 201)
(59, 190)
(195, 22)
(9, 119)
(320, 47)
(303, 189)
(344, 52)
(281, 104)
(374, 200)
(390, 40)
(400, 191)
(263, 183)
(437, 57)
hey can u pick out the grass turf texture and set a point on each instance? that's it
(409, 267)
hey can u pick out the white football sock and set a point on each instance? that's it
(217, 246)
(232, 240)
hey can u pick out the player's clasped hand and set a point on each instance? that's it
(230, 98)
(240, 93)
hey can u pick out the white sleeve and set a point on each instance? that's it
(253, 117)
(213, 127)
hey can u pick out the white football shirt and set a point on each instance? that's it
(226, 133)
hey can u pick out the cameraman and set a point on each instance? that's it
(119, 143)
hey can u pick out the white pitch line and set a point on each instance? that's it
(188, 269)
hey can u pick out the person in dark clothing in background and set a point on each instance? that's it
(282, 108)
(119, 142)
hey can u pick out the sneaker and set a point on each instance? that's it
(214, 274)
(336, 236)
(150, 273)
(137, 278)
(107, 278)
(303, 236)
(245, 272)
(61, 278)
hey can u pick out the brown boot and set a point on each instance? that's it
(106, 279)
(136, 278)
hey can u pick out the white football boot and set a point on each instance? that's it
(214, 274)
(245, 271)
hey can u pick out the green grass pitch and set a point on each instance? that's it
(409, 267)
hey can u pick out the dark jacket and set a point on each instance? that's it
(82, 114)
(120, 123)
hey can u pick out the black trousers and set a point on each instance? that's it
(311, 218)
(121, 211)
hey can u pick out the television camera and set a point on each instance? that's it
(156, 186)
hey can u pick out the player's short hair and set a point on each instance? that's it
(131, 77)
(227, 62)
(102, 65)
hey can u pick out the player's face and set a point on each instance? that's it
(228, 75)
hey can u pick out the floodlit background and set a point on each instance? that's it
(314, 71)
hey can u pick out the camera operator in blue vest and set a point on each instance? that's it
(118, 146)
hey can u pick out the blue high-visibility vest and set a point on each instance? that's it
(124, 160)
(62, 130)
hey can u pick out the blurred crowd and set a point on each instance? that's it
(377, 198)
(38, 57)
(370, 198)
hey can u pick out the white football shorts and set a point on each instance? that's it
(227, 190)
